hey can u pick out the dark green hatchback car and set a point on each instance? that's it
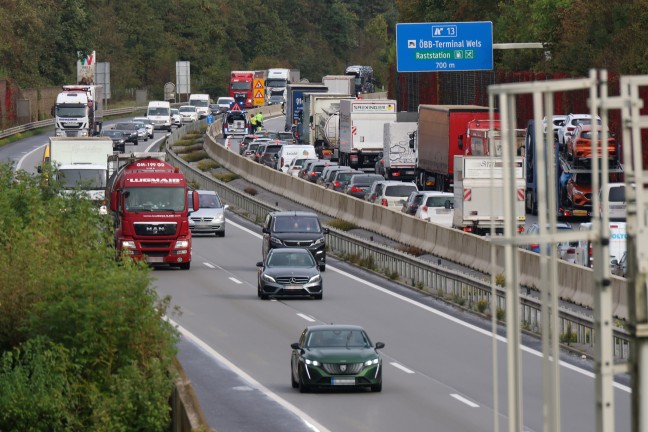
(335, 356)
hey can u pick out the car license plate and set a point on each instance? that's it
(293, 287)
(580, 212)
(154, 259)
(342, 381)
(443, 211)
(409, 172)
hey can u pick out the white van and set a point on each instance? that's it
(617, 244)
(613, 200)
(289, 152)
(159, 112)
(201, 102)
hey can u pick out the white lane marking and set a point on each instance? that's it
(470, 403)
(308, 420)
(236, 281)
(209, 265)
(306, 317)
(451, 318)
(401, 367)
(22, 159)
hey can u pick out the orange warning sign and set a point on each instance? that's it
(258, 84)
(258, 94)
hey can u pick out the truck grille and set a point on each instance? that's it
(337, 368)
(155, 245)
(155, 229)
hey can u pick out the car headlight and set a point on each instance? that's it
(128, 244)
(319, 241)
(312, 362)
(181, 244)
(371, 362)
(268, 278)
(276, 241)
(220, 219)
(315, 278)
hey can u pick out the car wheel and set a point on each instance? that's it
(262, 295)
(376, 388)
(135, 142)
(303, 388)
(258, 290)
(318, 296)
(293, 383)
(322, 267)
(185, 266)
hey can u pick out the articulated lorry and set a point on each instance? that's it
(319, 123)
(149, 203)
(439, 138)
(78, 111)
(276, 82)
(363, 76)
(295, 103)
(340, 84)
(361, 131)
(479, 194)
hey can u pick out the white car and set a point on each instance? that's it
(390, 193)
(148, 125)
(188, 113)
(558, 121)
(436, 207)
(569, 125)
(176, 118)
(296, 165)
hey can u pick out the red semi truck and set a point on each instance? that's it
(241, 88)
(440, 137)
(149, 203)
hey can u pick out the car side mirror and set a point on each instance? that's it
(295, 345)
(325, 230)
(259, 264)
(265, 231)
(226, 206)
(380, 345)
(614, 262)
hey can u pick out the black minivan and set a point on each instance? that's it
(295, 229)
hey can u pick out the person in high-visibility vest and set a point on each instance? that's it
(259, 120)
(253, 124)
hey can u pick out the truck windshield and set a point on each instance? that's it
(71, 111)
(158, 111)
(147, 199)
(241, 85)
(85, 179)
(276, 83)
(199, 102)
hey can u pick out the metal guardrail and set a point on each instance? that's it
(437, 280)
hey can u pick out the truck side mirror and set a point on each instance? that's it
(460, 142)
(196, 201)
(114, 198)
(411, 140)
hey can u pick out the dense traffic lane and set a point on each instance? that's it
(437, 370)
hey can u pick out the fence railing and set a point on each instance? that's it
(577, 328)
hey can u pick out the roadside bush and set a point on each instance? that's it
(226, 177)
(82, 347)
(341, 224)
(412, 250)
(183, 142)
(207, 164)
(188, 149)
(195, 156)
(250, 190)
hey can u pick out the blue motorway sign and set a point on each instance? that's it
(450, 46)
(210, 119)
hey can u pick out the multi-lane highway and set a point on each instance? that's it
(437, 360)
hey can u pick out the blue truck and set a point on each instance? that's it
(573, 181)
(295, 102)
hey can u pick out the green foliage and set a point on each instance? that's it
(568, 337)
(412, 250)
(341, 224)
(500, 279)
(207, 164)
(86, 330)
(195, 156)
(226, 176)
(500, 314)
(482, 305)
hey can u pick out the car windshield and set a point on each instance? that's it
(189, 109)
(225, 101)
(337, 339)
(297, 224)
(235, 116)
(291, 259)
(147, 199)
(158, 111)
(126, 126)
(209, 201)
(285, 135)
(438, 201)
(112, 133)
(617, 194)
(399, 190)
(345, 176)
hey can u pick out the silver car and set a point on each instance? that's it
(148, 124)
(210, 217)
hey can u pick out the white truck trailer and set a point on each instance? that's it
(340, 84)
(399, 159)
(276, 82)
(361, 131)
(320, 122)
(479, 194)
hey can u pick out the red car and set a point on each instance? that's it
(579, 143)
(579, 190)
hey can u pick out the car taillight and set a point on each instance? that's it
(336, 184)
(355, 189)
(424, 208)
(395, 174)
(312, 173)
(535, 246)
(384, 202)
